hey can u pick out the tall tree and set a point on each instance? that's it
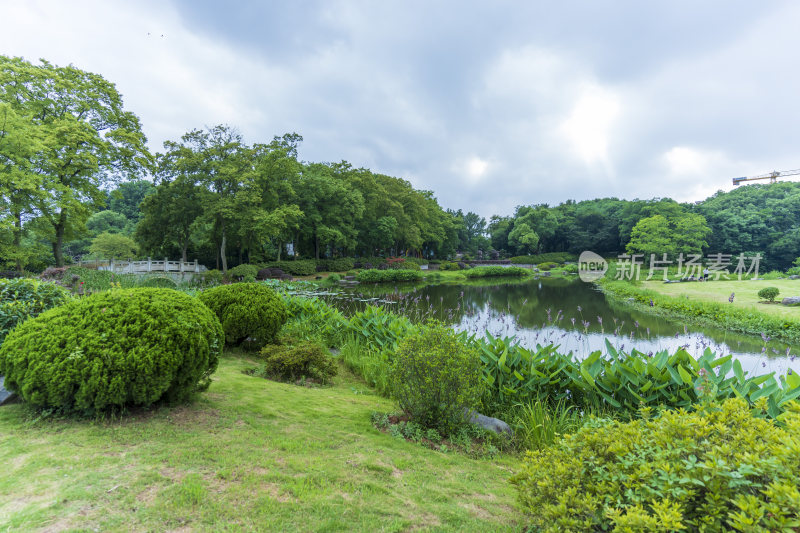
(87, 139)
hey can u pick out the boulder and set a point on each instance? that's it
(794, 276)
(791, 300)
(488, 423)
(5, 395)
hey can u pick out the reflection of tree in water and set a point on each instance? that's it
(550, 309)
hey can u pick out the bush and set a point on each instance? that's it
(290, 363)
(114, 349)
(210, 278)
(243, 272)
(718, 469)
(341, 264)
(382, 276)
(547, 266)
(403, 265)
(448, 265)
(251, 313)
(300, 267)
(22, 298)
(312, 318)
(548, 257)
(768, 293)
(159, 283)
(496, 271)
(436, 379)
(11, 274)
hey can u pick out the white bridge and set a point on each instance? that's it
(143, 267)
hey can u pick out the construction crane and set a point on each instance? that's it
(772, 176)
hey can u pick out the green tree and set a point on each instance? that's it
(684, 233)
(127, 198)
(523, 238)
(86, 140)
(113, 246)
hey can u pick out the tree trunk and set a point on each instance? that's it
(316, 246)
(280, 245)
(222, 251)
(183, 251)
(58, 244)
(18, 238)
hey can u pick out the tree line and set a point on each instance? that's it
(77, 180)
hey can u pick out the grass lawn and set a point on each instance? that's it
(746, 293)
(249, 454)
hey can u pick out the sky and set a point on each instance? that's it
(490, 105)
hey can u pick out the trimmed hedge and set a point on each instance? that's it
(23, 298)
(342, 264)
(293, 362)
(382, 276)
(548, 257)
(115, 349)
(496, 271)
(721, 468)
(300, 267)
(251, 313)
(242, 272)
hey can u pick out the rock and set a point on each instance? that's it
(791, 300)
(349, 278)
(5, 395)
(488, 423)
(794, 276)
(546, 274)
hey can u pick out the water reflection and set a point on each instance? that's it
(566, 312)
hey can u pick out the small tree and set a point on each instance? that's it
(113, 246)
(768, 293)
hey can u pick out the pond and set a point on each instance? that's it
(567, 312)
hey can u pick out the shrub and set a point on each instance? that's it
(251, 313)
(496, 271)
(114, 349)
(383, 276)
(333, 279)
(11, 274)
(403, 265)
(436, 379)
(448, 265)
(548, 257)
(210, 278)
(300, 267)
(22, 298)
(718, 469)
(159, 283)
(341, 264)
(304, 360)
(768, 293)
(547, 266)
(243, 272)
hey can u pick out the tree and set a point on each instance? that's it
(113, 246)
(127, 198)
(86, 139)
(523, 238)
(168, 218)
(682, 234)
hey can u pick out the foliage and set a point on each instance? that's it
(289, 362)
(78, 138)
(769, 293)
(242, 272)
(211, 278)
(539, 424)
(449, 265)
(369, 362)
(495, 271)
(22, 298)
(546, 266)
(621, 381)
(250, 313)
(379, 329)
(341, 264)
(113, 246)
(436, 379)
(724, 316)
(718, 469)
(313, 319)
(158, 282)
(300, 267)
(115, 349)
(384, 276)
(549, 257)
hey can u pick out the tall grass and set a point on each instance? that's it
(372, 364)
(539, 424)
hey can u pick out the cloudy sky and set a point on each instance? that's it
(488, 104)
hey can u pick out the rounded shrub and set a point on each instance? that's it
(436, 378)
(305, 360)
(114, 349)
(24, 298)
(717, 469)
(251, 313)
(768, 293)
(243, 272)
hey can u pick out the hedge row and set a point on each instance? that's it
(549, 257)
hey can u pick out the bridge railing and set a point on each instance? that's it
(143, 267)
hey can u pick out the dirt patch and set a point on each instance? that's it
(476, 511)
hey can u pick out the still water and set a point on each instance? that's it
(566, 312)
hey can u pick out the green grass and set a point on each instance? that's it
(249, 454)
(746, 293)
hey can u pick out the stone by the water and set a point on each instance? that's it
(5, 395)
